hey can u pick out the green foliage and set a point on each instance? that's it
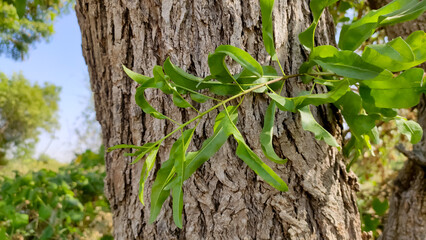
(45, 204)
(24, 22)
(352, 36)
(25, 109)
(365, 91)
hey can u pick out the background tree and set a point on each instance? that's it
(24, 22)
(224, 199)
(25, 109)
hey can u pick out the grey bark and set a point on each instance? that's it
(407, 212)
(224, 199)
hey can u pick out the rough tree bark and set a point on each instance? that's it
(407, 212)
(224, 199)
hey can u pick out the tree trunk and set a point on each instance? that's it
(407, 212)
(224, 199)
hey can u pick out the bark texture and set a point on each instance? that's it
(224, 199)
(407, 212)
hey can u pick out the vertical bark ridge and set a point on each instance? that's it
(224, 199)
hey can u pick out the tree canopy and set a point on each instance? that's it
(25, 110)
(24, 22)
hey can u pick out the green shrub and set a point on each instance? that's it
(55, 205)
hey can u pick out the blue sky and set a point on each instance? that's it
(58, 61)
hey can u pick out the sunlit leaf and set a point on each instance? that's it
(411, 129)
(310, 124)
(353, 35)
(401, 92)
(220, 71)
(397, 55)
(139, 78)
(146, 168)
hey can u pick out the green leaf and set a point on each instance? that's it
(380, 207)
(397, 55)
(122, 146)
(317, 7)
(146, 168)
(20, 6)
(339, 89)
(158, 194)
(143, 103)
(44, 212)
(283, 103)
(353, 35)
(411, 129)
(177, 191)
(222, 130)
(266, 7)
(348, 64)
(220, 71)
(200, 98)
(179, 101)
(19, 220)
(139, 78)
(267, 133)
(256, 164)
(186, 80)
(409, 11)
(401, 92)
(310, 124)
(47, 233)
(417, 41)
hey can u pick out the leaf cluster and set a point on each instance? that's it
(24, 22)
(366, 88)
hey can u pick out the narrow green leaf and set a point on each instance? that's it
(310, 124)
(411, 129)
(198, 97)
(143, 103)
(139, 78)
(397, 55)
(183, 79)
(146, 168)
(267, 133)
(165, 175)
(401, 92)
(317, 7)
(257, 165)
(218, 67)
(179, 101)
(353, 35)
(339, 89)
(158, 194)
(177, 191)
(283, 103)
(222, 130)
(266, 7)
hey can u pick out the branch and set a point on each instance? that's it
(416, 156)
